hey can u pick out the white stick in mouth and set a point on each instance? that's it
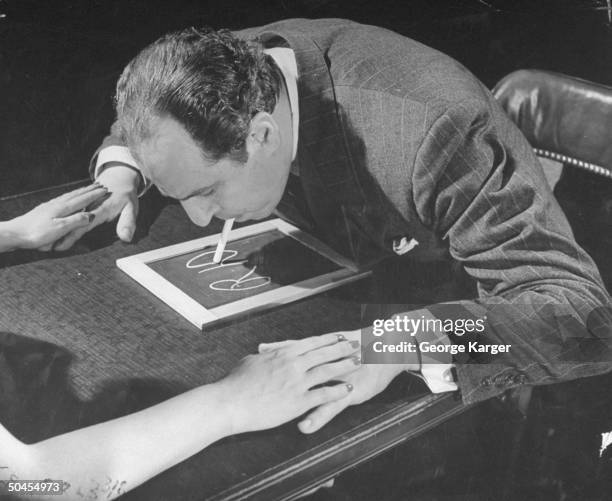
(227, 227)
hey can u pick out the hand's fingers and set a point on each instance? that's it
(312, 343)
(325, 412)
(307, 344)
(328, 372)
(126, 225)
(74, 221)
(328, 354)
(46, 248)
(69, 239)
(79, 191)
(81, 201)
(266, 347)
(328, 394)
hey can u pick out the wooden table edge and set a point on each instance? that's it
(291, 479)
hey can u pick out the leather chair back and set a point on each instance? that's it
(564, 118)
(569, 120)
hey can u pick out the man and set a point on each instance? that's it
(382, 147)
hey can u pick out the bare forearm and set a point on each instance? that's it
(262, 391)
(111, 458)
(9, 236)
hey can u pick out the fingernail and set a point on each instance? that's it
(349, 387)
(340, 337)
(354, 344)
(91, 217)
(356, 359)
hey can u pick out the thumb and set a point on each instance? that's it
(126, 225)
(321, 416)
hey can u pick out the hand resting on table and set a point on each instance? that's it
(44, 225)
(263, 391)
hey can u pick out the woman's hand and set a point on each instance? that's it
(122, 185)
(271, 388)
(367, 381)
(46, 224)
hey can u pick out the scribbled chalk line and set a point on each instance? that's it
(267, 294)
(229, 284)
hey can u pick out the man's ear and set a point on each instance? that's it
(263, 135)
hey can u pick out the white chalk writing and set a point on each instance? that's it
(244, 283)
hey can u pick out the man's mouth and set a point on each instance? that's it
(244, 217)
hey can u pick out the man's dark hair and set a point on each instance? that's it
(210, 81)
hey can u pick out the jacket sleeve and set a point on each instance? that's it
(477, 183)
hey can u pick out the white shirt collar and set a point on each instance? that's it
(285, 59)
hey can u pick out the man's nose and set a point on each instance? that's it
(199, 211)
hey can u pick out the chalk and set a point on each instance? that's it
(227, 227)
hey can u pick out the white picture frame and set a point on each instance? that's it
(137, 267)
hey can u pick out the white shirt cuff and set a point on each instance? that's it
(437, 371)
(120, 154)
(438, 377)
(114, 154)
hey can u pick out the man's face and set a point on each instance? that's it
(225, 189)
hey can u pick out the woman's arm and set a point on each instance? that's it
(9, 236)
(46, 224)
(113, 457)
(264, 391)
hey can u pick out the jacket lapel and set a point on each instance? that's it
(342, 208)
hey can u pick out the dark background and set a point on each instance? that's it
(59, 59)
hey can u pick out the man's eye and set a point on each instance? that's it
(207, 192)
